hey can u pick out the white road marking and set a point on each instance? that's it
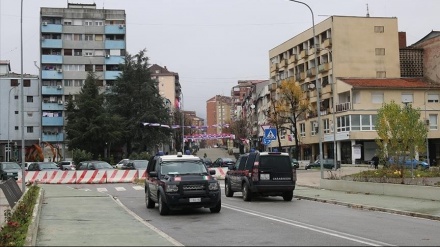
(138, 187)
(319, 229)
(120, 189)
(101, 189)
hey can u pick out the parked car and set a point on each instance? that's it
(207, 161)
(181, 181)
(135, 165)
(43, 166)
(327, 164)
(94, 165)
(67, 165)
(223, 162)
(121, 163)
(9, 170)
(409, 162)
(261, 174)
(295, 163)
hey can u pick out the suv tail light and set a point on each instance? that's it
(255, 171)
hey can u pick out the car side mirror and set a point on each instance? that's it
(296, 166)
(211, 172)
(153, 174)
(231, 167)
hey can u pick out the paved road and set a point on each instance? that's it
(300, 222)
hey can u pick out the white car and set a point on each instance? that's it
(121, 163)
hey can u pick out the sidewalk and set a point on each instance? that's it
(84, 218)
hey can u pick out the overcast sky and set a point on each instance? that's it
(211, 43)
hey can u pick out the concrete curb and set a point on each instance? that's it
(371, 208)
(31, 236)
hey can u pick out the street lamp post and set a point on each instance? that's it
(183, 122)
(23, 148)
(318, 89)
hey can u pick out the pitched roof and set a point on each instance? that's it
(162, 70)
(390, 83)
(429, 36)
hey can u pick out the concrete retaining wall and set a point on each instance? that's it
(412, 191)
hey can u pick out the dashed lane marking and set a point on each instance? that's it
(138, 187)
(101, 189)
(120, 189)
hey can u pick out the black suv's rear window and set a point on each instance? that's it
(275, 163)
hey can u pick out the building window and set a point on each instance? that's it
(355, 122)
(68, 52)
(67, 36)
(14, 82)
(343, 124)
(78, 52)
(99, 37)
(99, 23)
(30, 99)
(15, 96)
(89, 67)
(88, 37)
(88, 23)
(407, 98)
(356, 97)
(16, 112)
(88, 53)
(30, 129)
(381, 74)
(68, 83)
(26, 83)
(99, 67)
(433, 98)
(16, 127)
(78, 83)
(379, 29)
(314, 126)
(99, 53)
(433, 122)
(380, 51)
(302, 130)
(326, 123)
(67, 23)
(77, 37)
(377, 98)
(283, 134)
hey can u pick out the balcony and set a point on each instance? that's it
(324, 67)
(304, 53)
(114, 44)
(52, 121)
(52, 74)
(343, 107)
(111, 75)
(283, 63)
(115, 29)
(52, 43)
(302, 76)
(114, 60)
(273, 67)
(52, 59)
(327, 43)
(273, 87)
(52, 137)
(52, 90)
(293, 59)
(51, 28)
(53, 106)
(311, 72)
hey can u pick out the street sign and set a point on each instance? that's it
(266, 141)
(270, 134)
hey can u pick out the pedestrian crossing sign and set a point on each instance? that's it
(270, 134)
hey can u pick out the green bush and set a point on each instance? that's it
(15, 230)
(140, 156)
(81, 155)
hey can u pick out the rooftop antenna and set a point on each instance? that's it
(368, 11)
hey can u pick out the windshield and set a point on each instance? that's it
(48, 165)
(183, 167)
(103, 165)
(140, 163)
(228, 160)
(11, 165)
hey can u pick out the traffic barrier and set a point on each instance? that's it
(91, 177)
(61, 177)
(35, 176)
(220, 172)
(121, 176)
(142, 174)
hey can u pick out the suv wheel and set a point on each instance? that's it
(228, 190)
(163, 208)
(148, 202)
(288, 196)
(247, 196)
(217, 208)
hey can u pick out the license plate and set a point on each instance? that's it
(264, 176)
(195, 199)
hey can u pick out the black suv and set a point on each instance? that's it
(181, 181)
(262, 174)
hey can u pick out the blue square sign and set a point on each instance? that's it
(270, 134)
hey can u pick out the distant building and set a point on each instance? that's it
(169, 85)
(10, 112)
(218, 115)
(74, 41)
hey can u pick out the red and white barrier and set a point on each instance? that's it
(121, 176)
(35, 176)
(220, 172)
(91, 177)
(61, 177)
(142, 174)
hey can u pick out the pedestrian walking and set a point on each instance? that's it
(375, 160)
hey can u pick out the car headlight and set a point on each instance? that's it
(171, 188)
(214, 186)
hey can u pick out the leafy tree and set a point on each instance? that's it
(275, 115)
(135, 97)
(88, 125)
(401, 132)
(291, 95)
(238, 128)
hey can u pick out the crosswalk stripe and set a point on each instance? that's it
(101, 189)
(138, 187)
(120, 189)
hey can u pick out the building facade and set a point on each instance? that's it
(10, 112)
(218, 115)
(169, 85)
(74, 41)
(356, 64)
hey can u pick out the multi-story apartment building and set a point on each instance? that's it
(169, 85)
(10, 112)
(238, 94)
(194, 127)
(74, 41)
(355, 63)
(218, 115)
